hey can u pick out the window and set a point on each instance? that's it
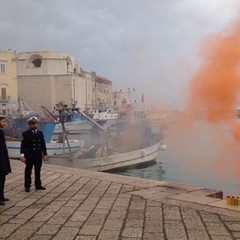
(37, 62)
(4, 93)
(2, 68)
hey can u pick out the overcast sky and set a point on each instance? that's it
(150, 45)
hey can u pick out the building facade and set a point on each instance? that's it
(102, 93)
(46, 78)
(8, 81)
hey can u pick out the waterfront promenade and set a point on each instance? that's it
(80, 204)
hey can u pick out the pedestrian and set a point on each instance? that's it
(33, 151)
(5, 166)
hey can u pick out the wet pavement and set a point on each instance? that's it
(86, 205)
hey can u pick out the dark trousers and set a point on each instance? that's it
(2, 184)
(37, 163)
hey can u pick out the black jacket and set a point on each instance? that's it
(5, 166)
(33, 144)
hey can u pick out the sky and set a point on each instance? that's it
(153, 46)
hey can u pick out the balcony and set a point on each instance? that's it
(5, 98)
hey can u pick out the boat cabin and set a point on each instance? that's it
(103, 114)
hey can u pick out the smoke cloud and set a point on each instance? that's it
(204, 137)
(214, 91)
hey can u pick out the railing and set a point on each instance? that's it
(5, 98)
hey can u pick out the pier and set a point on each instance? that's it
(87, 205)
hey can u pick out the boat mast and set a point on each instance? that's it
(24, 109)
(106, 131)
(61, 108)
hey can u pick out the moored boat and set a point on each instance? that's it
(74, 121)
(129, 144)
(110, 162)
(53, 147)
(104, 114)
(18, 125)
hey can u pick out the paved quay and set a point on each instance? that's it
(80, 204)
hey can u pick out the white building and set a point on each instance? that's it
(46, 78)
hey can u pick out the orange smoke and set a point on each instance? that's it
(215, 90)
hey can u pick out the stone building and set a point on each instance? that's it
(46, 78)
(103, 92)
(123, 98)
(8, 81)
(119, 100)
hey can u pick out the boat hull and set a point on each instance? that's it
(53, 148)
(112, 162)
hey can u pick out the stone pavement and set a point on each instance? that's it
(80, 204)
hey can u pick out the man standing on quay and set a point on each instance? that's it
(33, 150)
(5, 166)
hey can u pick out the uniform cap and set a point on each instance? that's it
(32, 120)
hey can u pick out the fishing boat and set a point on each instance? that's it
(74, 126)
(18, 125)
(129, 145)
(53, 147)
(110, 162)
(74, 121)
(104, 114)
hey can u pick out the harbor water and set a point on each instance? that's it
(190, 158)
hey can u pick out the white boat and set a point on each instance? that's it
(53, 147)
(99, 114)
(112, 162)
(129, 144)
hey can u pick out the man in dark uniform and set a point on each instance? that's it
(33, 150)
(5, 166)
